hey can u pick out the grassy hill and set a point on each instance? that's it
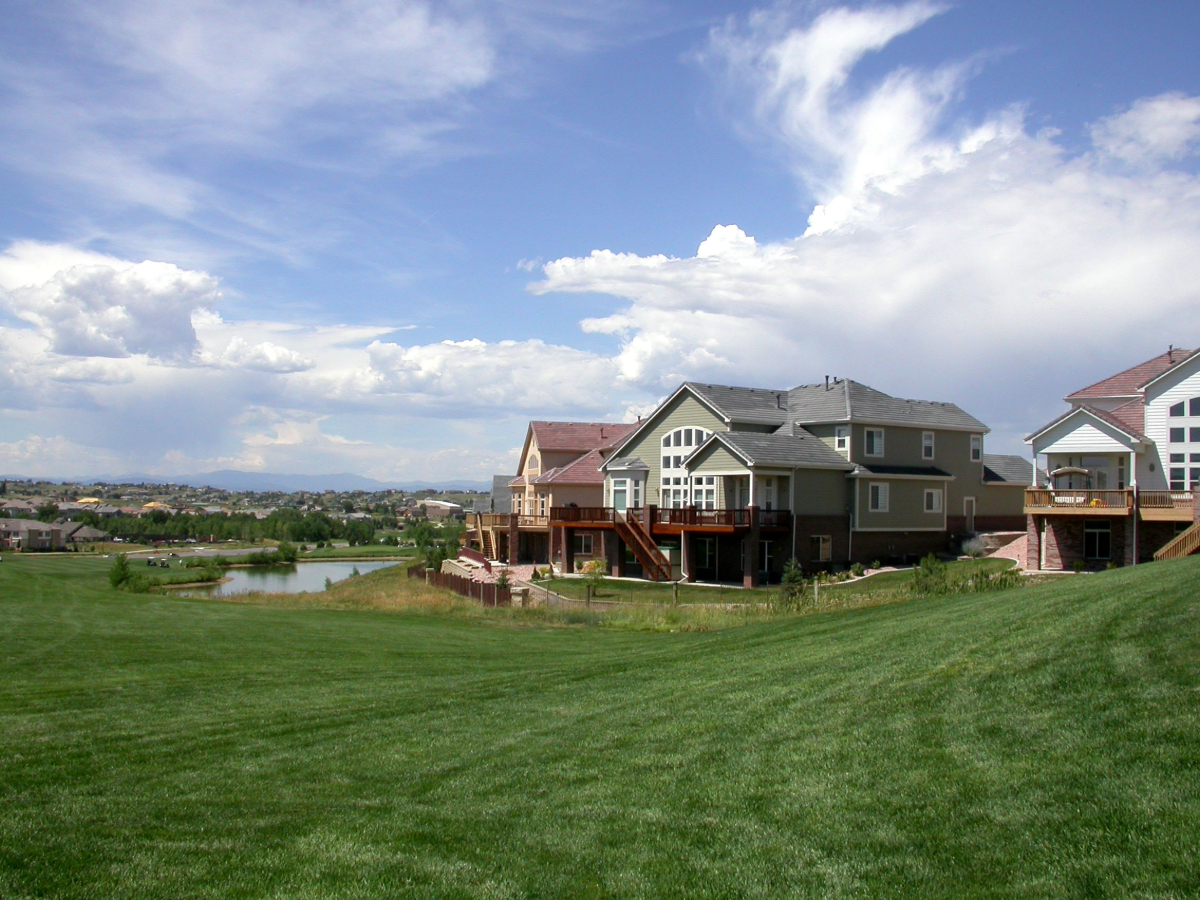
(1043, 742)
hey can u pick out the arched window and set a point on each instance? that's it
(532, 465)
(679, 444)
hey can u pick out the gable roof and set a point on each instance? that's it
(1007, 469)
(577, 436)
(845, 400)
(1133, 413)
(743, 404)
(1131, 381)
(585, 470)
(780, 450)
(1102, 415)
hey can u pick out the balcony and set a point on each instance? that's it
(1078, 503)
(1167, 506)
(673, 520)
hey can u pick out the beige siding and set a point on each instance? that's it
(579, 494)
(994, 500)
(683, 412)
(717, 458)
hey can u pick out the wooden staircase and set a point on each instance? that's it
(486, 544)
(1185, 544)
(655, 566)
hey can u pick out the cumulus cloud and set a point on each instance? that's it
(265, 357)
(974, 268)
(1154, 129)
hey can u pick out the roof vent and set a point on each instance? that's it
(826, 382)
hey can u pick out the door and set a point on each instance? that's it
(620, 494)
(969, 512)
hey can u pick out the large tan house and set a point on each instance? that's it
(559, 466)
(726, 483)
(1124, 465)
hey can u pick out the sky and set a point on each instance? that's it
(378, 236)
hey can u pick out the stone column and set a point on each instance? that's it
(1130, 554)
(750, 568)
(514, 539)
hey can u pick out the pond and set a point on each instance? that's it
(309, 576)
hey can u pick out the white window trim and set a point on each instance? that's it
(884, 496)
(977, 448)
(931, 445)
(841, 439)
(935, 492)
(878, 442)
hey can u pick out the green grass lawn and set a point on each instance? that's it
(361, 552)
(893, 584)
(1043, 742)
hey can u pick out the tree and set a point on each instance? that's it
(48, 512)
(791, 587)
(286, 552)
(119, 573)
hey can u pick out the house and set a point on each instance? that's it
(441, 509)
(723, 482)
(28, 534)
(1123, 465)
(559, 466)
(17, 509)
(84, 534)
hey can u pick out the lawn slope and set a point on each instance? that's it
(1037, 743)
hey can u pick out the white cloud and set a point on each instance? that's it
(847, 144)
(265, 357)
(1154, 129)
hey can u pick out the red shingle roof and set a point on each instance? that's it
(1127, 383)
(578, 436)
(1132, 414)
(585, 470)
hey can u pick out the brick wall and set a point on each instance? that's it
(885, 545)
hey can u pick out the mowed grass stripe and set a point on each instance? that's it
(1036, 743)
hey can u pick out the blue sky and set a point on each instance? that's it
(378, 237)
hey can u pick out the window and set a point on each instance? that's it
(822, 547)
(1194, 435)
(1177, 435)
(1179, 457)
(1120, 473)
(841, 439)
(764, 556)
(1177, 410)
(682, 437)
(583, 544)
(877, 496)
(927, 445)
(1195, 457)
(541, 504)
(768, 493)
(704, 492)
(873, 439)
(1194, 406)
(637, 493)
(933, 500)
(620, 494)
(533, 464)
(1177, 478)
(1097, 540)
(976, 448)
(1193, 478)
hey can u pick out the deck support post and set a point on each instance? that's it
(514, 539)
(750, 563)
(686, 556)
(568, 550)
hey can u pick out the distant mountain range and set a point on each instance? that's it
(261, 482)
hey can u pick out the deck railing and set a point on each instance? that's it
(1166, 499)
(493, 520)
(582, 514)
(1080, 500)
(692, 518)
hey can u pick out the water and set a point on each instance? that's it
(309, 576)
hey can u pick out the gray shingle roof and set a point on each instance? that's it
(627, 462)
(845, 400)
(743, 404)
(786, 451)
(1001, 469)
(909, 471)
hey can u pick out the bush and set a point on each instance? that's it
(876, 564)
(119, 573)
(974, 547)
(857, 570)
(792, 593)
(502, 580)
(930, 578)
(1077, 566)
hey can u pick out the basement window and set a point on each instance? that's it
(1097, 540)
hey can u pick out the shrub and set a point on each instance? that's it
(119, 573)
(1077, 566)
(502, 580)
(930, 578)
(876, 564)
(1112, 565)
(857, 570)
(974, 547)
(791, 594)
